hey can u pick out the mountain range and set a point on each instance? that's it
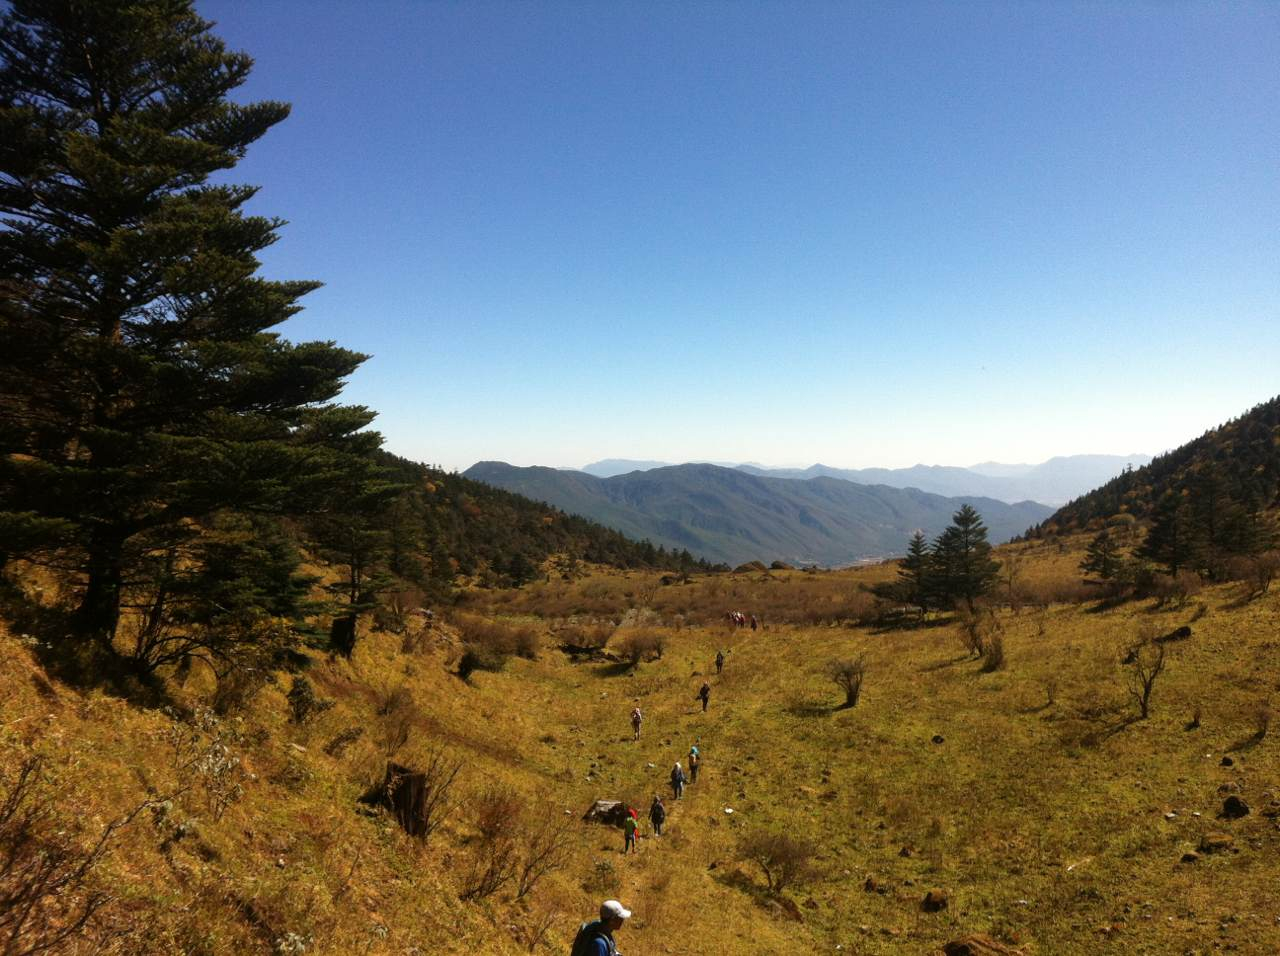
(1053, 482)
(734, 516)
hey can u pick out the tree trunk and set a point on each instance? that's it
(342, 635)
(99, 611)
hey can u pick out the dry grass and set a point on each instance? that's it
(1044, 810)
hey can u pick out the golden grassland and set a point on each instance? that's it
(1054, 820)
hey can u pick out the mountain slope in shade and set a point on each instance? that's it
(731, 515)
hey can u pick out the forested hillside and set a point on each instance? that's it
(1238, 462)
(726, 514)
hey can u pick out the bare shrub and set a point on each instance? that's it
(202, 759)
(47, 896)
(304, 703)
(421, 800)
(494, 859)
(536, 929)
(976, 629)
(785, 860)
(398, 715)
(548, 848)
(993, 653)
(1050, 691)
(637, 645)
(1146, 663)
(847, 673)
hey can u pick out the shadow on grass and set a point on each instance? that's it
(812, 708)
(899, 627)
(949, 662)
(1246, 743)
(616, 669)
(68, 655)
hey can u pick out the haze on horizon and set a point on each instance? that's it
(862, 235)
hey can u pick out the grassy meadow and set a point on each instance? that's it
(1054, 821)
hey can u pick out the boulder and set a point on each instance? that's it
(609, 812)
(938, 739)
(1216, 842)
(935, 901)
(977, 944)
(1227, 762)
(1191, 856)
(1233, 808)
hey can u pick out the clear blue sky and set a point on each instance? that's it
(855, 233)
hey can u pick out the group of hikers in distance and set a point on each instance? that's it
(595, 938)
(738, 619)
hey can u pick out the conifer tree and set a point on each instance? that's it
(1172, 540)
(140, 382)
(913, 571)
(962, 568)
(1103, 557)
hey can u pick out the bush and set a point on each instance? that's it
(993, 654)
(785, 860)
(489, 644)
(493, 860)
(977, 628)
(398, 716)
(640, 645)
(1175, 589)
(847, 675)
(585, 637)
(303, 701)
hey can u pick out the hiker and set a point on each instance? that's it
(694, 761)
(596, 937)
(719, 661)
(657, 814)
(637, 719)
(704, 694)
(630, 826)
(754, 622)
(678, 780)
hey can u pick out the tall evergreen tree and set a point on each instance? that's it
(962, 566)
(140, 384)
(1103, 557)
(913, 572)
(1172, 540)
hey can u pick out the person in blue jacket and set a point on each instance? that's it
(596, 937)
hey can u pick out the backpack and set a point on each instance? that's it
(587, 934)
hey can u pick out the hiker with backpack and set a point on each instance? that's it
(657, 814)
(704, 695)
(630, 827)
(637, 719)
(695, 760)
(595, 938)
(678, 780)
(719, 661)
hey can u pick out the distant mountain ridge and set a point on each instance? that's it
(1052, 482)
(732, 515)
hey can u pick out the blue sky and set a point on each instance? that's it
(855, 233)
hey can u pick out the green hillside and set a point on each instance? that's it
(725, 514)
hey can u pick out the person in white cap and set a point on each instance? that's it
(596, 937)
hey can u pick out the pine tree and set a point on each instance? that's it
(1103, 557)
(913, 572)
(962, 568)
(140, 384)
(1172, 540)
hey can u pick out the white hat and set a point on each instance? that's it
(612, 909)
